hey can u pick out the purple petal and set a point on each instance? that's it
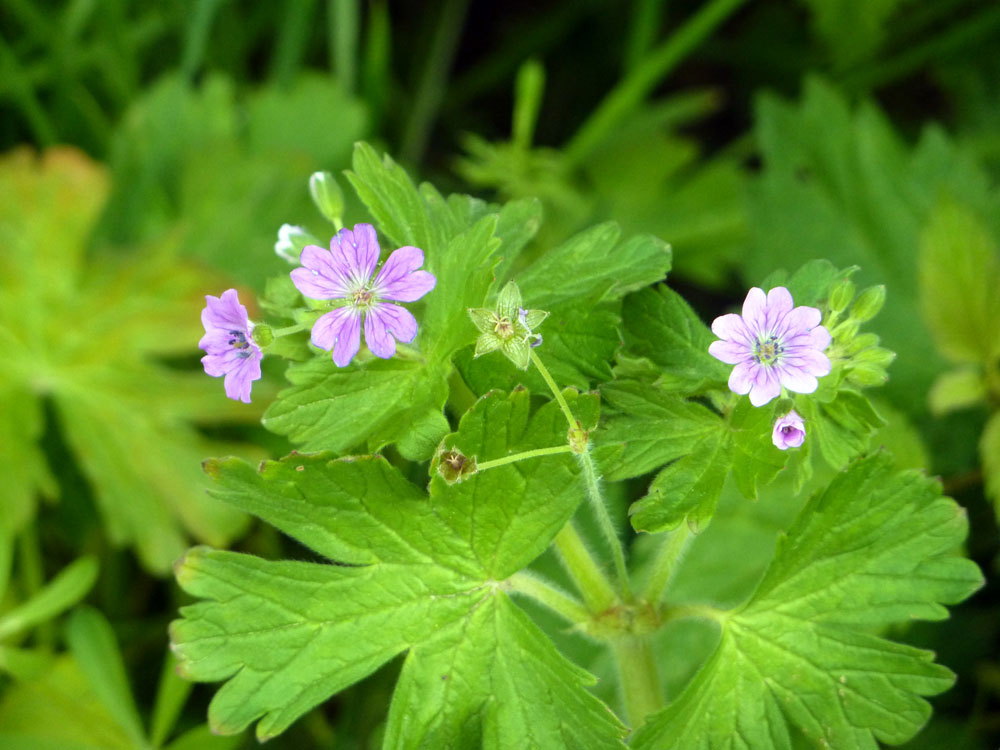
(801, 320)
(789, 431)
(377, 336)
(766, 386)
(224, 312)
(339, 330)
(731, 328)
(398, 320)
(779, 304)
(240, 379)
(357, 251)
(754, 310)
(730, 352)
(322, 276)
(797, 380)
(809, 361)
(741, 379)
(399, 278)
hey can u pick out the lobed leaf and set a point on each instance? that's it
(409, 572)
(797, 663)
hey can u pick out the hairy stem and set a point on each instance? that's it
(672, 547)
(592, 483)
(560, 399)
(607, 525)
(514, 457)
(549, 595)
(594, 587)
(639, 678)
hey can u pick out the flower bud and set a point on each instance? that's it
(868, 303)
(327, 196)
(262, 334)
(291, 240)
(867, 374)
(861, 342)
(875, 355)
(841, 295)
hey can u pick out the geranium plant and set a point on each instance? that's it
(460, 479)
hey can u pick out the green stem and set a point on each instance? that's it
(672, 548)
(593, 486)
(595, 588)
(431, 90)
(607, 525)
(547, 594)
(343, 18)
(560, 399)
(288, 330)
(514, 457)
(33, 575)
(696, 611)
(639, 679)
(640, 81)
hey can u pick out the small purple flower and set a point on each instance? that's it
(231, 350)
(773, 344)
(344, 272)
(789, 431)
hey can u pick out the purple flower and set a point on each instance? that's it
(231, 350)
(789, 431)
(773, 344)
(344, 272)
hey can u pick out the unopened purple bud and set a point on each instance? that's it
(789, 431)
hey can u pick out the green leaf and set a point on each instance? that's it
(843, 427)
(496, 683)
(58, 711)
(171, 695)
(655, 427)
(593, 266)
(22, 463)
(698, 446)
(756, 461)
(959, 274)
(62, 592)
(92, 643)
(660, 326)
(852, 29)
(91, 344)
(957, 389)
(411, 572)
(365, 404)
(797, 663)
(539, 496)
(989, 453)
(687, 490)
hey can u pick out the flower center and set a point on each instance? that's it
(787, 429)
(768, 351)
(239, 341)
(362, 297)
(504, 328)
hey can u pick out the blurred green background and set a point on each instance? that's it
(152, 150)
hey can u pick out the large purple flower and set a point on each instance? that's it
(344, 272)
(773, 344)
(229, 345)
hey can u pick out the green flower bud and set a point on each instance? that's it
(327, 196)
(846, 330)
(868, 303)
(875, 355)
(262, 335)
(841, 296)
(867, 374)
(861, 342)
